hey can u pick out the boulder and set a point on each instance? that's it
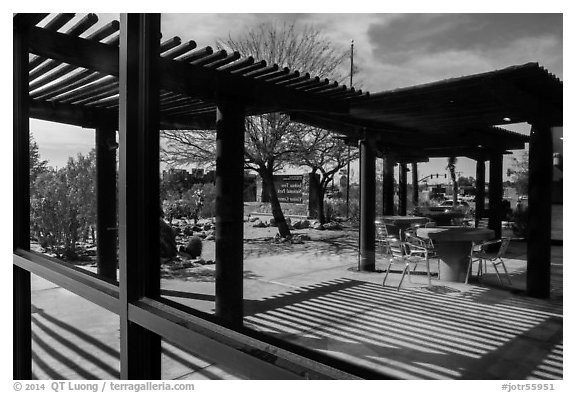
(318, 226)
(210, 237)
(259, 224)
(188, 230)
(333, 226)
(253, 218)
(301, 224)
(167, 241)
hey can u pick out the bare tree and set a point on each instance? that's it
(270, 139)
(325, 154)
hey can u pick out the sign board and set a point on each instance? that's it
(289, 188)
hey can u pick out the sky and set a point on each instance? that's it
(391, 50)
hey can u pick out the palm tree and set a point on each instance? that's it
(452, 168)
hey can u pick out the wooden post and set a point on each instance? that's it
(387, 186)
(415, 184)
(495, 194)
(540, 171)
(229, 212)
(367, 207)
(21, 300)
(402, 192)
(106, 225)
(139, 208)
(480, 197)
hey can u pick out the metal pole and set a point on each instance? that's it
(348, 164)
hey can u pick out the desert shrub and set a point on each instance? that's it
(334, 208)
(520, 222)
(198, 202)
(63, 206)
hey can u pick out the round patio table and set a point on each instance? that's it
(453, 245)
(402, 222)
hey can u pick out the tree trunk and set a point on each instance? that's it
(268, 182)
(318, 195)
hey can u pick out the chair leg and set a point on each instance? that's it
(506, 271)
(406, 270)
(428, 270)
(497, 273)
(387, 271)
(468, 270)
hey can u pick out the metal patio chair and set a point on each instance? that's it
(479, 254)
(406, 254)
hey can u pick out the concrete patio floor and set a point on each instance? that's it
(318, 300)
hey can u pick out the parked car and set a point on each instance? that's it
(449, 203)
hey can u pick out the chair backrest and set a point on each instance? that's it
(392, 230)
(482, 223)
(503, 247)
(381, 232)
(396, 247)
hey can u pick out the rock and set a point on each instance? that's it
(259, 224)
(177, 230)
(197, 228)
(333, 226)
(194, 247)
(297, 240)
(318, 226)
(167, 241)
(301, 224)
(188, 230)
(210, 237)
(253, 218)
(304, 237)
(207, 227)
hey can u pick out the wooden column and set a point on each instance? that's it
(387, 186)
(415, 184)
(229, 212)
(139, 208)
(495, 194)
(480, 197)
(539, 211)
(402, 193)
(367, 207)
(21, 304)
(106, 226)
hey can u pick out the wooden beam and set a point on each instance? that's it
(139, 208)
(495, 194)
(21, 298)
(230, 212)
(106, 199)
(24, 21)
(75, 115)
(415, 184)
(402, 188)
(480, 197)
(367, 241)
(540, 171)
(177, 76)
(387, 185)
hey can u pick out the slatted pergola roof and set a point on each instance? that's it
(74, 80)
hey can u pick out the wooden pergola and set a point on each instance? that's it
(123, 78)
